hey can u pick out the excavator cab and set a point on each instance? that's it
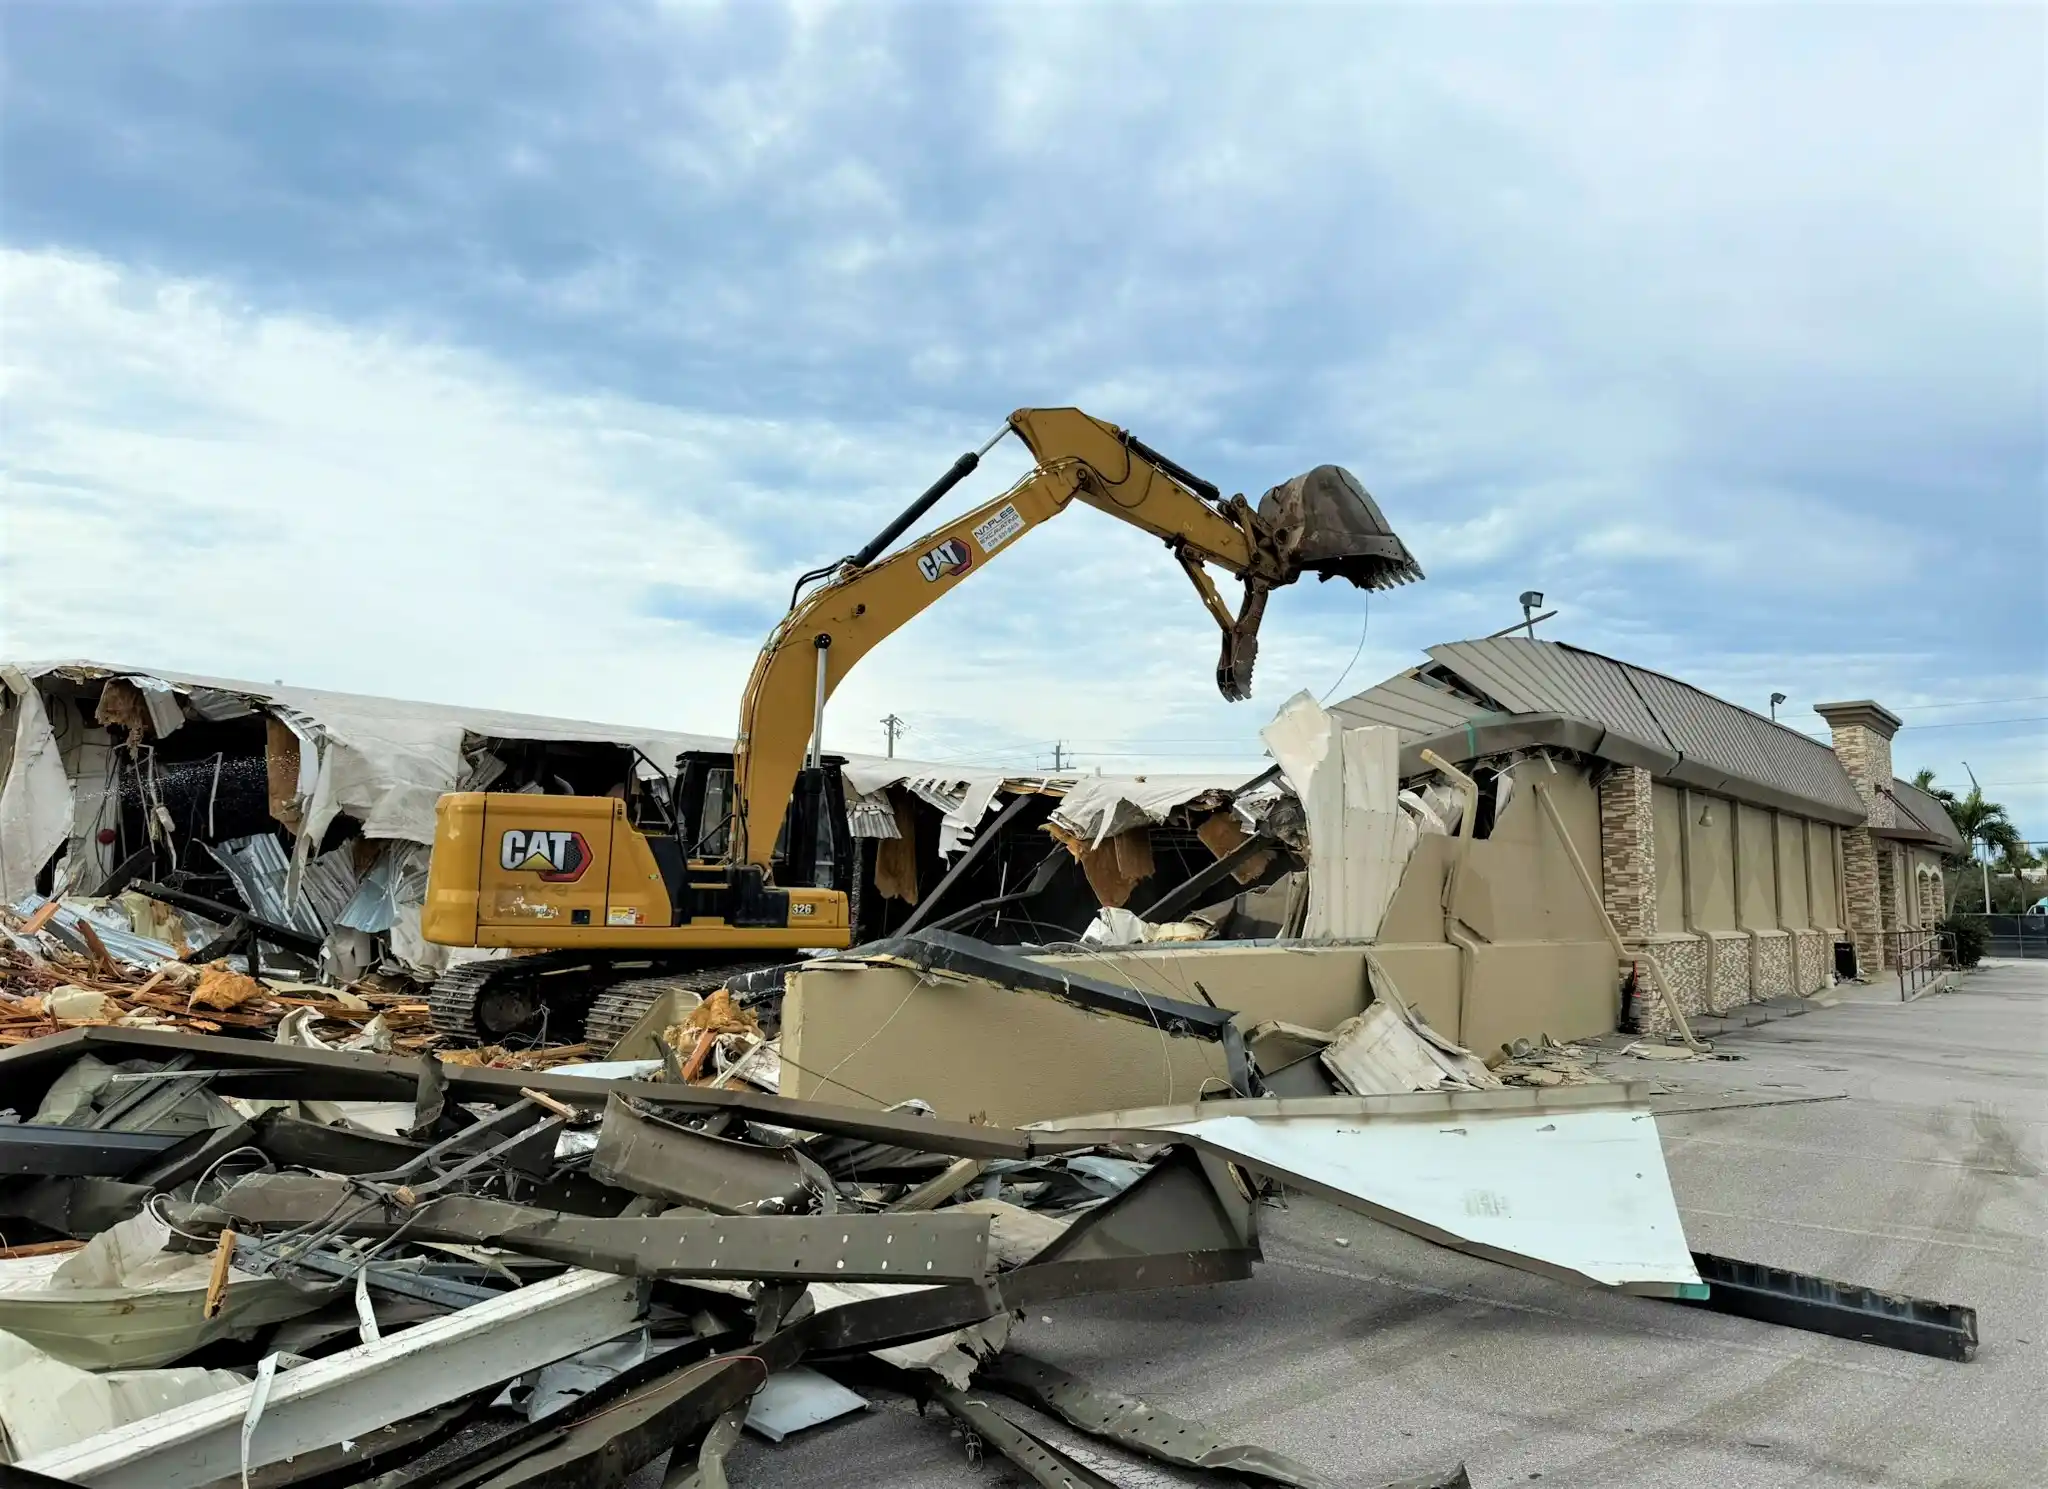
(814, 849)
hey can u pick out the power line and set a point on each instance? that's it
(1920, 729)
(1971, 703)
(1981, 723)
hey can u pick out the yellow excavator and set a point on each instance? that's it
(618, 898)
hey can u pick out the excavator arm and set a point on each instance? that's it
(866, 598)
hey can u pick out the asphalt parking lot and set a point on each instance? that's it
(1895, 1144)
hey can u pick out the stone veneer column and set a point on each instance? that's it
(1628, 852)
(1863, 733)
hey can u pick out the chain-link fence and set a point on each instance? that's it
(2015, 935)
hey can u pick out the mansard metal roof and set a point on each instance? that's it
(1475, 697)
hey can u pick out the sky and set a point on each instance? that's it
(522, 355)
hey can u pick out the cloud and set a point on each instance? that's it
(1722, 326)
(203, 485)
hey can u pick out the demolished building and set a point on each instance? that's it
(1090, 1028)
(1683, 856)
(312, 812)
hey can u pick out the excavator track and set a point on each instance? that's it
(615, 1011)
(564, 997)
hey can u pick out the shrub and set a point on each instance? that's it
(1968, 931)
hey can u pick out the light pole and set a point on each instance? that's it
(1776, 699)
(1983, 864)
(1532, 601)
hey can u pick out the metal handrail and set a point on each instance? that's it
(1920, 956)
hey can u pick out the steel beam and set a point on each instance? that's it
(1137, 1425)
(78, 1152)
(1043, 1463)
(275, 1072)
(1188, 894)
(984, 838)
(649, 1154)
(937, 1248)
(1777, 1296)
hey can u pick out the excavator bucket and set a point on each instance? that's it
(1326, 523)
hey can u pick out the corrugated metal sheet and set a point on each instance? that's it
(122, 944)
(1413, 708)
(328, 883)
(259, 867)
(1736, 742)
(871, 815)
(1543, 677)
(1712, 736)
(1922, 809)
(374, 906)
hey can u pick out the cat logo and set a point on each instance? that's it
(950, 557)
(558, 857)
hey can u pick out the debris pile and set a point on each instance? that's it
(284, 1262)
(1544, 1062)
(71, 964)
(320, 1263)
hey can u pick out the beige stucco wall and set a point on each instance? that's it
(1566, 989)
(1541, 965)
(1792, 860)
(1711, 865)
(1427, 977)
(1826, 910)
(1756, 855)
(870, 1036)
(1416, 911)
(1921, 862)
(1672, 913)
(1519, 884)
(1320, 986)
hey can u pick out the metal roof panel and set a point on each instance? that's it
(1527, 676)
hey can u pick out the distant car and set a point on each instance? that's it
(2040, 908)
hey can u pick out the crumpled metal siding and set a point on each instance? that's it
(122, 944)
(375, 905)
(260, 869)
(872, 815)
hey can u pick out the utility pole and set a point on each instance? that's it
(1058, 755)
(894, 726)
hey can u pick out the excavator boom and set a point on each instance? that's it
(624, 916)
(1322, 522)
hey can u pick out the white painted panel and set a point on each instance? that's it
(1556, 1190)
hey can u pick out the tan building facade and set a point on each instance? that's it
(1749, 860)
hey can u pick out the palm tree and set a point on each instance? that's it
(2015, 858)
(1980, 821)
(1924, 779)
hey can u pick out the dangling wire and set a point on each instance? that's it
(1357, 652)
